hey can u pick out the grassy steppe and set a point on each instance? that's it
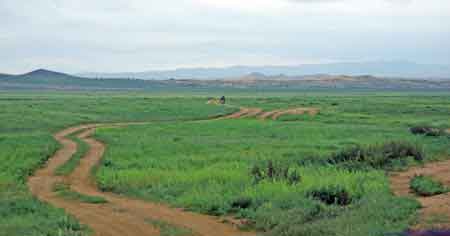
(208, 166)
(27, 122)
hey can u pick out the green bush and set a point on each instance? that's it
(331, 195)
(427, 131)
(275, 173)
(426, 186)
(377, 156)
(241, 203)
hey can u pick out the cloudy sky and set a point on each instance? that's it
(137, 35)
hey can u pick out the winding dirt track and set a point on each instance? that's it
(295, 111)
(244, 112)
(274, 114)
(123, 216)
(435, 207)
(120, 216)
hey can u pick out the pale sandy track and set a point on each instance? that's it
(252, 112)
(275, 114)
(295, 111)
(121, 216)
(435, 206)
(243, 111)
(267, 114)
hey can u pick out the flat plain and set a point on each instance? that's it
(302, 174)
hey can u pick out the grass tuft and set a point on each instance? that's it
(64, 191)
(427, 131)
(427, 186)
(74, 161)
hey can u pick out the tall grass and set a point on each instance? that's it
(207, 166)
(243, 167)
(27, 122)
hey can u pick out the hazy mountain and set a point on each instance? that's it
(50, 80)
(380, 69)
(321, 82)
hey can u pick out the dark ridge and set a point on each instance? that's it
(45, 73)
(4, 75)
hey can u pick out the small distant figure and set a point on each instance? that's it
(216, 101)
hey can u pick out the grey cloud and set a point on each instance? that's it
(123, 35)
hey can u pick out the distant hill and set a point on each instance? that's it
(380, 69)
(4, 75)
(321, 82)
(50, 80)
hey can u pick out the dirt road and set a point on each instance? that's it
(435, 213)
(274, 114)
(244, 112)
(120, 216)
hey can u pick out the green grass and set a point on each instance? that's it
(28, 121)
(64, 191)
(207, 166)
(167, 229)
(427, 186)
(74, 161)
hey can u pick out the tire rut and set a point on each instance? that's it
(123, 216)
(120, 216)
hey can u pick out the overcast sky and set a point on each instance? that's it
(138, 35)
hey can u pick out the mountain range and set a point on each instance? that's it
(49, 80)
(380, 69)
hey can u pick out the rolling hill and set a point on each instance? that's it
(4, 75)
(50, 80)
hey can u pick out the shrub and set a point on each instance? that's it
(376, 156)
(331, 195)
(214, 210)
(397, 150)
(426, 130)
(275, 173)
(426, 186)
(241, 203)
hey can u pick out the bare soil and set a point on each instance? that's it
(244, 112)
(435, 212)
(275, 114)
(120, 216)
